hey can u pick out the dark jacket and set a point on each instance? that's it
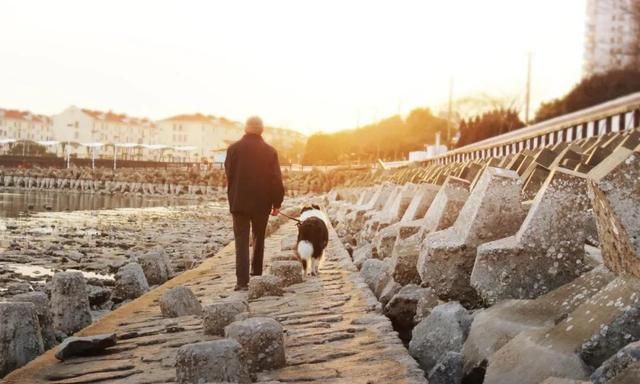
(254, 181)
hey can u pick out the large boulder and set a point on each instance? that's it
(401, 309)
(69, 302)
(156, 266)
(372, 271)
(363, 253)
(219, 361)
(20, 339)
(179, 301)
(448, 369)
(45, 320)
(218, 315)
(263, 340)
(444, 330)
(131, 283)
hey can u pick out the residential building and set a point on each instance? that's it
(611, 35)
(24, 125)
(86, 126)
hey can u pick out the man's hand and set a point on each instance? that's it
(275, 211)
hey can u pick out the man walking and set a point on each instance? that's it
(254, 189)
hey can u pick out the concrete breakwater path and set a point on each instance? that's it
(334, 329)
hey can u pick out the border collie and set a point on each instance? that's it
(313, 237)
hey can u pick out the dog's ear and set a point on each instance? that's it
(305, 208)
(315, 206)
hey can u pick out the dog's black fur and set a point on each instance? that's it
(312, 230)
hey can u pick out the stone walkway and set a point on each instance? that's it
(334, 331)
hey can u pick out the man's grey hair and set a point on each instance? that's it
(254, 125)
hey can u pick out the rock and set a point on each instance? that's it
(390, 290)
(553, 234)
(262, 338)
(493, 211)
(290, 272)
(83, 346)
(615, 195)
(20, 339)
(448, 369)
(69, 302)
(404, 261)
(493, 327)
(532, 356)
(218, 315)
(179, 301)
(288, 243)
(131, 283)
(425, 305)
(444, 330)
(401, 309)
(266, 285)
(625, 364)
(363, 253)
(371, 272)
(610, 339)
(446, 205)
(98, 296)
(41, 304)
(421, 202)
(156, 266)
(216, 361)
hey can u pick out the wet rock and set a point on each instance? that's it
(218, 361)
(290, 272)
(444, 330)
(218, 315)
(620, 367)
(266, 285)
(448, 369)
(86, 345)
(179, 301)
(20, 339)
(131, 283)
(69, 302)
(263, 340)
(156, 266)
(41, 305)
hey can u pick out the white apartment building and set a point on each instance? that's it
(24, 125)
(611, 37)
(77, 125)
(204, 133)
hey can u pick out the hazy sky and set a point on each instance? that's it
(321, 65)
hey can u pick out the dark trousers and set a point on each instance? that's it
(243, 224)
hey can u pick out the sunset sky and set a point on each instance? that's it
(321, 65)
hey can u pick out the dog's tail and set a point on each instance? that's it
(305, 251)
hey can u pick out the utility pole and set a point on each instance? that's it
(450, 112)
(528, 90)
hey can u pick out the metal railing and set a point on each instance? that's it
(613, 116)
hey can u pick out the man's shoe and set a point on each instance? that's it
(241, 288)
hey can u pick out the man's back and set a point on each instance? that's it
(253, 175)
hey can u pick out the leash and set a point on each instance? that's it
(291, 218)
